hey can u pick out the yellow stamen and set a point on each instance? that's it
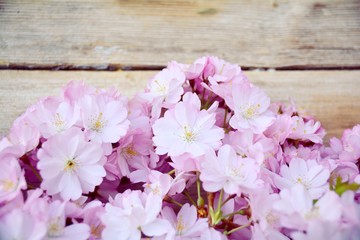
(189, 136)
(95, 231)
(7, 185)
(130, 151)
(160, 87)
(70, 165)
(250, 111)
(58, 121)
(55, 229)
(180, 226)
(99, 123)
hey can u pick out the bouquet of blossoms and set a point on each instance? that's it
(201, 153)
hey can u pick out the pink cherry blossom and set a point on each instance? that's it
(134, 147)
(251, 107)
(262, 212)
(75, 90)
(199, 154)
(70, 165)
(280, 129)
(54, 115)
(12, 179)
(247, 144)
(298, 210)
(24, 133)
(165, 89)
(306, 130)
(92, 216)
(184, 225)
(132, 213)
(19, 224)
(105, 121)
(313, 176)
(229, 171)
(56, 228)
(186, 129)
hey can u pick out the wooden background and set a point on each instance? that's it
(307, 50)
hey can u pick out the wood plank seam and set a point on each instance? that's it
(121, 67)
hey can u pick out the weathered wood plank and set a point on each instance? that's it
(332, 96)
(272, 33)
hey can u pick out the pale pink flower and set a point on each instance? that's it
(187, 162)
(164, 89)
(313, 176)
(195, 70)
(266, 234)
(134, 147)
(280, 129)
(262, 212)
(222, 77)
(306, 130)
(297, 208)
(52, 115)
(76, 90)
(24, 133)
(20, 225)
(166, 86)
(248, 144)
(159, 183)
(187, 129)
(229, 171)
(70, 165)
(163, 184)
(251, 107)
(184, 225)
(56, 228)
(347, 149)
(132, 213)
(92, 216)
(105, 120)
(321, 230)
(351, 216)
(12, 179)
(211, 233)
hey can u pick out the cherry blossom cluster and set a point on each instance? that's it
(201, 153)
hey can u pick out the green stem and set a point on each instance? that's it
(200, 200)
(171, 172)
(232, 214)
(171, 200)
(186, 193)
(236, 229)
(228, 199)
(220, 200)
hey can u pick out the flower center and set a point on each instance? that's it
(313, 214)
(129, 152)
(58, 122)
(70, 165)
(55, 229)
(160, 88)
(189, 136)
(250, 111)
(98, 123)
(303, 182)
(95, 230)
(271, 219)
(7, 185)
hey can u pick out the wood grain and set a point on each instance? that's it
(262, 33)
(332, 96)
